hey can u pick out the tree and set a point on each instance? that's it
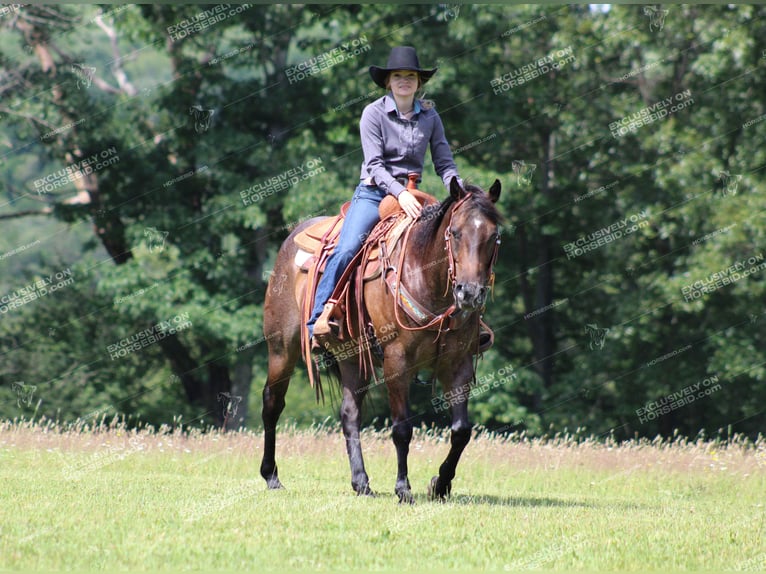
(609, 297)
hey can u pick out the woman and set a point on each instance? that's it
(395, 131)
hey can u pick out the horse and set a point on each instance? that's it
(446, 263)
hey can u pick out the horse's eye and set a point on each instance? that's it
(455, 233)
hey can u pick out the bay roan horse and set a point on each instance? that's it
(449, 254)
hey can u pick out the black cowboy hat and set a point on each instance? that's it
(400, 58)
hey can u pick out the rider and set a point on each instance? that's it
(395, 131)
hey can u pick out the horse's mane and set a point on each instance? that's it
(427, 226)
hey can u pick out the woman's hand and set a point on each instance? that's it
(409, 204)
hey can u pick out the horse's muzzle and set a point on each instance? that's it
(470, 296)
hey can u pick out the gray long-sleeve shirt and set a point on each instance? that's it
(394, 146)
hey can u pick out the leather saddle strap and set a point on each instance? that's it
(309, 293)
(308, 307)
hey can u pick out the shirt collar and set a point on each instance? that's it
(390, 104)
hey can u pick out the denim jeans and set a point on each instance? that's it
(360, 219)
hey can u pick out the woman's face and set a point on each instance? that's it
(404, 83)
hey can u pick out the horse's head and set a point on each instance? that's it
(473, 236)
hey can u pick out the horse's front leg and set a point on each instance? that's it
(457, 387)
(351, 419)
(398, 381)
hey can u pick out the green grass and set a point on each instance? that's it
(170, 501)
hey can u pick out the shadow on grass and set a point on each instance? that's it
(534, 501)
(486, 500)
(527, 501)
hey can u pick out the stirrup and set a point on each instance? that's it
(326, 325)
(316, 346)
(486, 337)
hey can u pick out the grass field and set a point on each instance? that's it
(112, 499)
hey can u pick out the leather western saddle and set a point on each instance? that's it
(323, 235)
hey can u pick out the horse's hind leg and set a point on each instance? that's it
(283, 356)
(354, 390)
(398, 381)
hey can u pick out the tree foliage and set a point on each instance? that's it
(628, 143)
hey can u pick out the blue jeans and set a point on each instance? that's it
(360, 219)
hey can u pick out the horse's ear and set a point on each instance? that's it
(494, 191)
(454, 188)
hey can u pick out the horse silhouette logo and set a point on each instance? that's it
(553, 110)
(155, 239)
(523, 171)
(84, 75)
(202, 118)
(656, 17)
(597, 336)
(729, 182)
(24, 393)
(277, 283)
(451, 11)
(230, 404)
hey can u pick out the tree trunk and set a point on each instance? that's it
(185, 368)
(538, 298)
(544, 291)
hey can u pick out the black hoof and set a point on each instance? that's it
(406, 497)
(365, 491)
(274, 484)
(438, 492)
(269, 474)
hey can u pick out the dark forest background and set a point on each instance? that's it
(167, 119)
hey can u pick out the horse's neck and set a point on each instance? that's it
(426, 271)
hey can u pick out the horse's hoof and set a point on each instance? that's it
(436, 492)
(405, 496)
(365, 491)
(432, 488)
(271, 478)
